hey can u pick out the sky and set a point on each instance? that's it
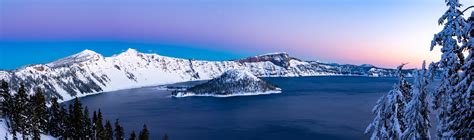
(380, 32)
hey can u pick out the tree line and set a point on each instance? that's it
(30, 117)
(403, 113)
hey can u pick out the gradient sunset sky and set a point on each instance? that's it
(380, 32)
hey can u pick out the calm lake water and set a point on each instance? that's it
(332, 107)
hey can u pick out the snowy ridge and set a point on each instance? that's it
(89, 73)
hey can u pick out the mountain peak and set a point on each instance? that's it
(82, 56)
(85, 53)
(130, 51)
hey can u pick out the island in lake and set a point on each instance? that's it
(231, 83)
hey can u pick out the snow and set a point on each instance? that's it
(297, 63)
(85, 55)
(236, 75)
(5, 134)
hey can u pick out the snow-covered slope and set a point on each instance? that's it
(6, 135)
(88, 72)
(231, 83)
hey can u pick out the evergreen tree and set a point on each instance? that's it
(99, 125)
(7, 103)
(22, 114)
(390, 120)
(108, 131)
(69, 125)
(63, 129)
(119, 134)
(144, 134)
(39, 113)
(133, 136)
(379, 125)
(55, 122)
(88, 128)
(6, 99)
(165, 137)
(465, 87)
(94, 127)
(417, 111)
(453, 98)
(77, 118)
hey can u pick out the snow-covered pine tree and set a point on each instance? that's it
(390, 121)
(450, 97)
(404, 86)
(21, 114)
(379, 125)
(395, 111)
(466, 87)
(417, 111)
(6, 99)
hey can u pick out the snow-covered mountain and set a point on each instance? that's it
(88, 72)
(230, 83)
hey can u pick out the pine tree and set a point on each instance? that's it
(22, 114)
(165, 137)
(453, 98)
(39, 113)
(379, 125)
(417, 111)
(69, 123)
(88, 130)
(64, 125)
(94, 127)
(144, 134)
(77, 119)
(119, 134)
(99, 126)
(108, 131)
(133, 136)
(465, 87)
(55, 122)
(6, 99)
(390, 120)
(8, 108)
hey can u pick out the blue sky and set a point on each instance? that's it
(32, 52)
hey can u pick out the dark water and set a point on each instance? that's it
(309, 108)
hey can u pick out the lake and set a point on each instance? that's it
(325, 107)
